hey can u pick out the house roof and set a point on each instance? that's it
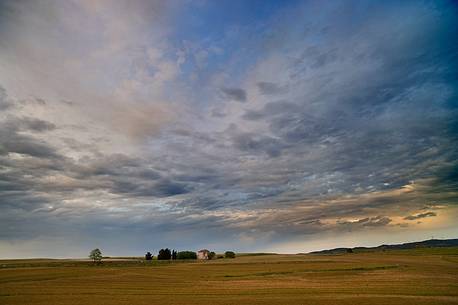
(203, 250)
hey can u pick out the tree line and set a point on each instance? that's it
(166, 254)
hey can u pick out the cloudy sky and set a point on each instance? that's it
(230, 125)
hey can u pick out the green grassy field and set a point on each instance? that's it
(423, 276)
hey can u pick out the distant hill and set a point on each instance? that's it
(413, 245)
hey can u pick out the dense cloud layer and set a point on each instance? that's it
(134, 127)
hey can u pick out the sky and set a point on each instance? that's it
(275, 126)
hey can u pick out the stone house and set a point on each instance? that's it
(203, 254)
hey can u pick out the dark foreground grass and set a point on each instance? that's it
(391, 277)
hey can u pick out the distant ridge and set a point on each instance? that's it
(419, 244)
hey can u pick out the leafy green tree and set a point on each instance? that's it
(186, 255)
(96, 255)
(211, 255)
(174, 255)
(148, 256)
(164, 254)
(229, 254)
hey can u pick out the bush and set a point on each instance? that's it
(211, 255)
(229, 254)
(186, 255)
(164, 254)
(148, 256)
(219, 256)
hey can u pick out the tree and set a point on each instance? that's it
(211, 255)
(96, 255)
(164, 254)
(349, 250)
(148, 256)
(174, 255)
(186, 255)
(229, 254)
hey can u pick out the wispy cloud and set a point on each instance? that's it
(420, 215)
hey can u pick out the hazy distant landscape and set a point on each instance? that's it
(411, 276)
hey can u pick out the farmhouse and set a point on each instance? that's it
(203, 254)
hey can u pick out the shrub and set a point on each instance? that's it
(229, 254)
(186, 255)
(211, 255)
(148, 256)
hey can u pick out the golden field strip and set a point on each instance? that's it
(421, 276)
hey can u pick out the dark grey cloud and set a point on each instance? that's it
(268, 88)
(4, 102)
(12, 140)
(315, 57)
(40, 101)
(421, 215)
(272, 110)
(236, 94)
(68, 103)
(35, 125)
(21, 144)
(257, 144)
(217, 113)
(158, 189)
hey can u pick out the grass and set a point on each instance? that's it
(416, 276)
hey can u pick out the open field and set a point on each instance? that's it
(423, 276)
